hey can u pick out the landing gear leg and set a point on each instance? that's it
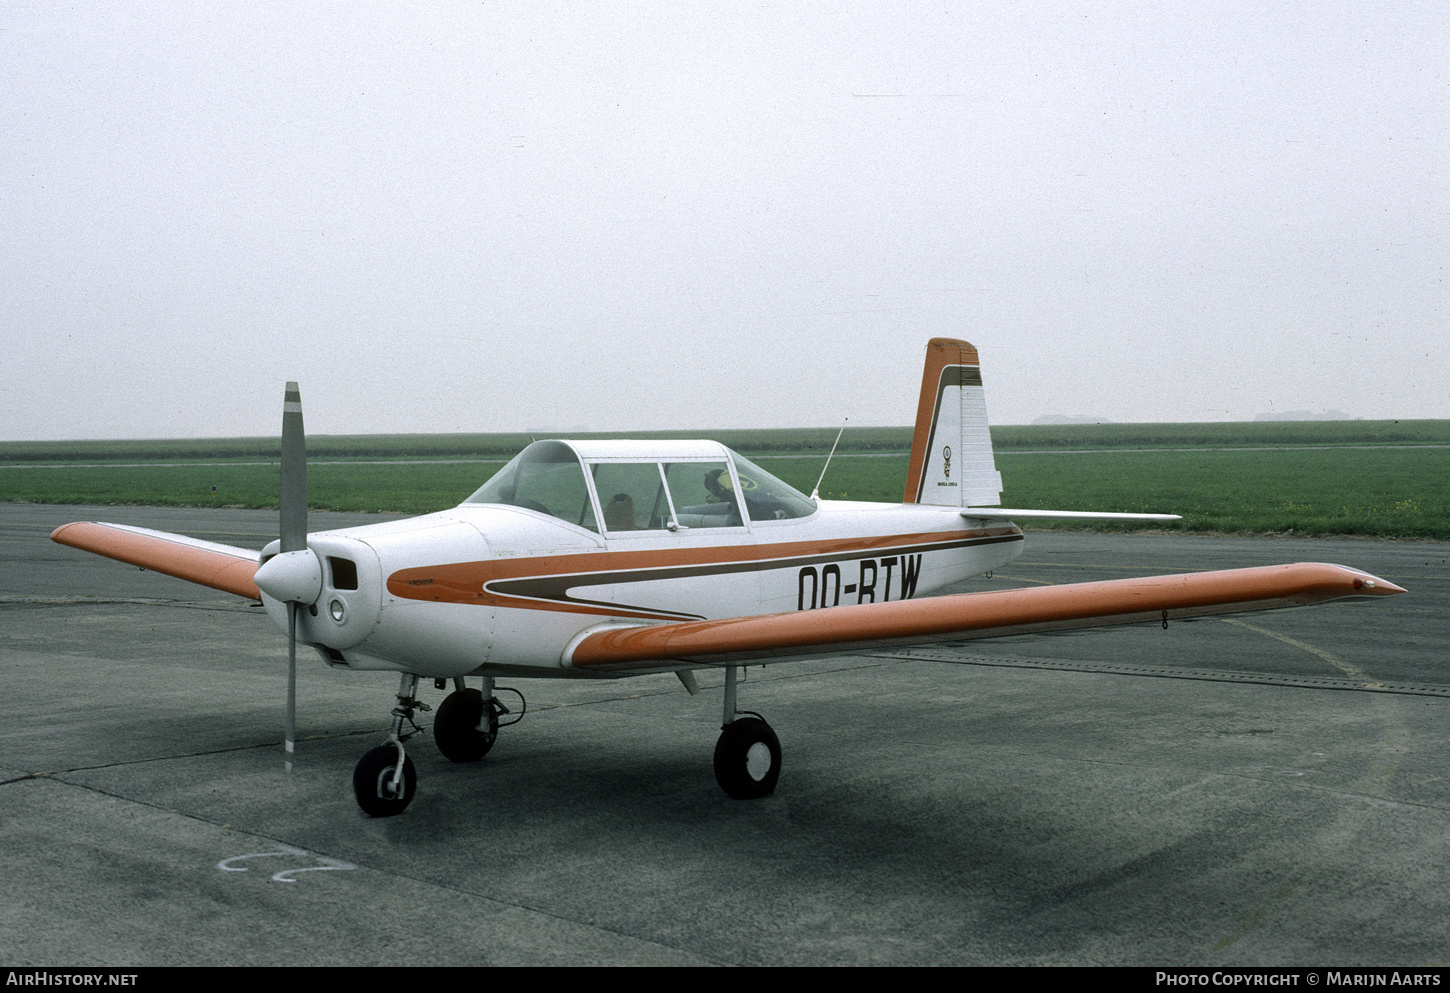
(384, 781)
(747, 755)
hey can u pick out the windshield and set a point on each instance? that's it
(767, 498)
(545, 477)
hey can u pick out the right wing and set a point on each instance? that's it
(209, 563)
(964, 616)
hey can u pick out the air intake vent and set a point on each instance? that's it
(344, 573)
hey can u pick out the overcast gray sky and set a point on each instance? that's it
(503, 216)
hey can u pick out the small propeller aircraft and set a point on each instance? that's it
(602, 559)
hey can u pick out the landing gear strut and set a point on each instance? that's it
(747, 755)
(384, 781)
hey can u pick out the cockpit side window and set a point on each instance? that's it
(704, 495)
(545, 477)
(632, 496)
(767, 498)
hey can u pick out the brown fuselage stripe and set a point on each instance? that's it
(542, 583)
(555, 588)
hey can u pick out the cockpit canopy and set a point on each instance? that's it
(616, 487)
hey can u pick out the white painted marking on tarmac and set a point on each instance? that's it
(329, 865)
(284, 875)
(1352, 671)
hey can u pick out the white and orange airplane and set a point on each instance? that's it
(600, 559)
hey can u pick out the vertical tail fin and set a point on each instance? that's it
(951, 451)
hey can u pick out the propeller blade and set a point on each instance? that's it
(299, 574)
(294, 473)
(290, 745)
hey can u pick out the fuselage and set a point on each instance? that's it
(494, 587)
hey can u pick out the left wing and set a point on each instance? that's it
(965, 616)
(222, 567)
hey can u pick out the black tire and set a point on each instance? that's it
(455, 729)
(747, 759)
(372, 782)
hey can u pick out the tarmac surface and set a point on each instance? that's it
(1268, 789)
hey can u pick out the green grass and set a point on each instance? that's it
(1401, 493)
(414, 489)
(1331, 478)
(775, 441)
(1241, 434)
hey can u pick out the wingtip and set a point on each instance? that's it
(1379, 587)
(1367, 584)
(59, 534)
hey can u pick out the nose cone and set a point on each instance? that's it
(291, 577)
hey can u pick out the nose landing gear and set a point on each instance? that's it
(384, 781)
(464, 729)
(381, 789)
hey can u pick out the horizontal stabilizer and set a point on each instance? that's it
(209, 563)
(1007, 513)
(965, 616)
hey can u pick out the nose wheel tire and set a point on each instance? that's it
(456, 726)
(372, 782)
(747, 759)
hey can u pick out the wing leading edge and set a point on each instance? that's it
(209, 563)
(966, 616)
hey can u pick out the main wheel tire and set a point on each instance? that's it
(455, 728)
(747, 759)
(372, 782)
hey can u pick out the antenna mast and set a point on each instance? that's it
(815, 493)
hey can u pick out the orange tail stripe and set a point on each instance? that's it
(940, 353)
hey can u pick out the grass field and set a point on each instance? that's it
(1378, 478)
(776, 441)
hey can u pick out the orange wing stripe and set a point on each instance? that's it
(154, 551)
(978, 615)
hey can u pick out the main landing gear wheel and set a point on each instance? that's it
(747, 759)
(372, 781)
(456, 726)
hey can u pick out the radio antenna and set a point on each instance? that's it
(816, 493)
